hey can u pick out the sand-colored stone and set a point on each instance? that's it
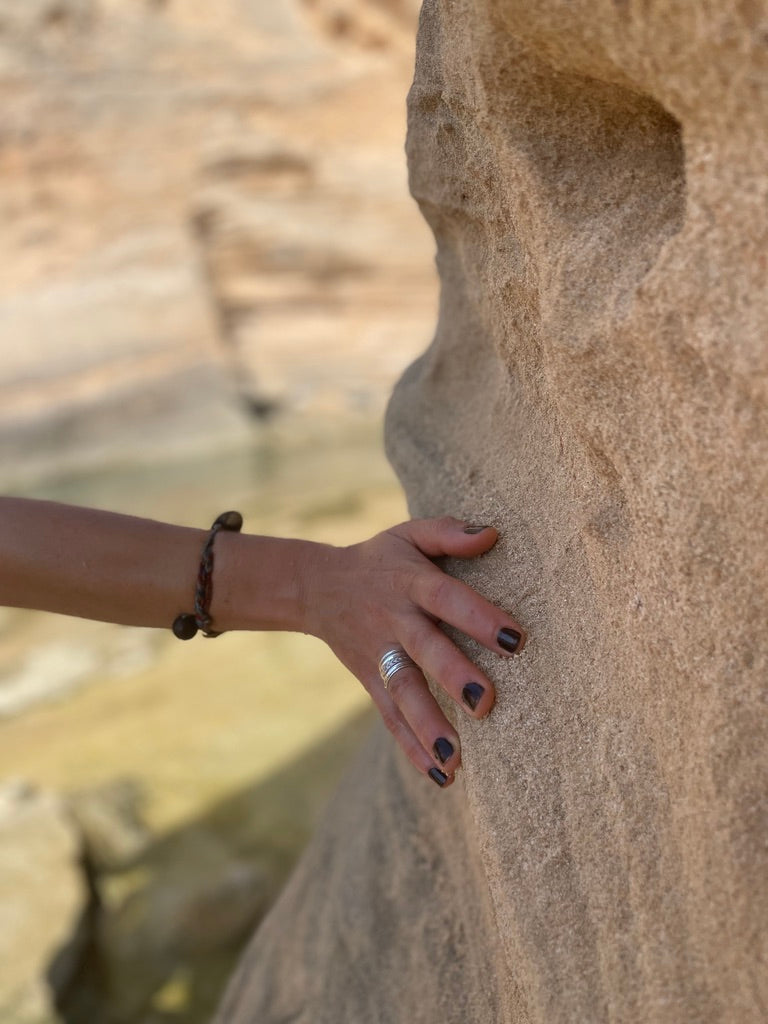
(595, 176)
(166, 270)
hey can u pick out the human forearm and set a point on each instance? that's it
(117, 568)
(380, 599)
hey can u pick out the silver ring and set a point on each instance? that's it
(392, 662)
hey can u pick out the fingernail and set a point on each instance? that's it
(475, 529)
(443, 749)
(472, 694)
(437, 776)
(509, 639)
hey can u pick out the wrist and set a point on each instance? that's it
(265, 583)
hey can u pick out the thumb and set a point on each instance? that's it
(447, 536)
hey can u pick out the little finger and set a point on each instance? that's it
(397, 725)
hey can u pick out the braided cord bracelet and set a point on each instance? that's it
(186, 625)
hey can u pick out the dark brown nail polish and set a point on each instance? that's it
(443, 749)
(472, 694)
(437, 776)
(509, 639)
(474, 529)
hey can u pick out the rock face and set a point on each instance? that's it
(594, 174)
(205, 214)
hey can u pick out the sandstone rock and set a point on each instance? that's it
(316, 281)
(595, 178)
(126, 331)
(44, 660)
(377, 25)
(26, 23)
(43, 900)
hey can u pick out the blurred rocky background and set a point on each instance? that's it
(205, 219)
(212, 274)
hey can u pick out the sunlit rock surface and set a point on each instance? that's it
(205, 216)
(595, 176)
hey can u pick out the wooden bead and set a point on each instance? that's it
(229, 521)
(184, 626)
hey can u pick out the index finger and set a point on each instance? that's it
(446, 536)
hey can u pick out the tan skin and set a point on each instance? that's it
(361, 600)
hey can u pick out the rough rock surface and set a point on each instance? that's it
(595, 176)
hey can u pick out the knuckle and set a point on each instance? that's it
(398, 684)
(400, 530)
(433, 589)
(408, 743)
(405, 581)
(416, 632)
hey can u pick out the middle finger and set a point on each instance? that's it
(452, 601)
(450, 668)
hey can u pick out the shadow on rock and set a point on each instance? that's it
(169, 926)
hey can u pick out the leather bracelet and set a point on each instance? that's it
(187, 624)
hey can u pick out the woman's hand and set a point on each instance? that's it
(363, 600)
(385, 593)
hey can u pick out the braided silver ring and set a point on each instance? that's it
(392, 662)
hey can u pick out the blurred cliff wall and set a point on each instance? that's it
(205, 219)
(595, 176)
(206, 241)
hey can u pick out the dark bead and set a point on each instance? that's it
(184, 626)
(229, 521)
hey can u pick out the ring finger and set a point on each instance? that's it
(408, 690)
